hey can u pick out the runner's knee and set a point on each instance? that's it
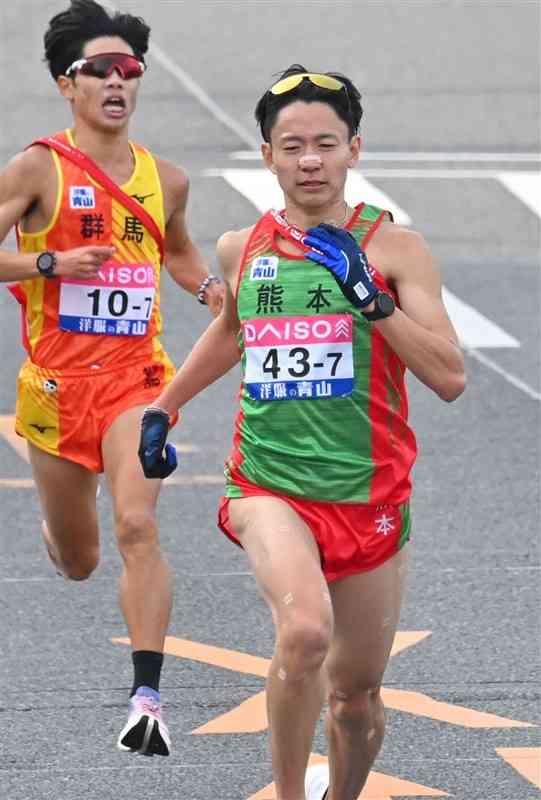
(302, 646)
(355, 706)
(80, 567)
(136, 531)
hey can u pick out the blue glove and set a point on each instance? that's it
(154, 430)
(340, 253)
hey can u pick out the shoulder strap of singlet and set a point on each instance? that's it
(83, 161)
(256, 231)
(371, 223)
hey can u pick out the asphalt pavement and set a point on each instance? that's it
(451, 97)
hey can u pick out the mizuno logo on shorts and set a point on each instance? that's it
(42, 428)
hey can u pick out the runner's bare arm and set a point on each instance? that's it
(420, 332)
(19, 190)
(217, 350)
(183, 260)
(22, 186)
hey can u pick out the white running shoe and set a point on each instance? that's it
(316, 782)
(145, 731)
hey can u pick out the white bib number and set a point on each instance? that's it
(118, 302)
(299, 358)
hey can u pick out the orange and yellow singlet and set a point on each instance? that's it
(93, 345)
(112, 319)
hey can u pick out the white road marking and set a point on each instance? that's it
(431, 173)
(193, 88)
(262, 189)
(473, 328)
(173, 480)
(373, 155)
(526, 186)
(54, 576)
(357, 186)
(509, 377)
(197, 92)
(461, 570)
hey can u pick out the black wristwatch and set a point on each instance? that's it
(384, 306)
(46, 264)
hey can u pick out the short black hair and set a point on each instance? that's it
(347, 103)
(84, 20)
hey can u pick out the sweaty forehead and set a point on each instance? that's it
(106, 44)
(308, 121)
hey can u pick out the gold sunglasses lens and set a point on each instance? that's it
(326, 82)
(287, 84)
(292, 81)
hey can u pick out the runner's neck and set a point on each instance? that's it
(111, 151)
(337, 214)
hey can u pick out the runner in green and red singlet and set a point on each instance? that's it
(326, 307)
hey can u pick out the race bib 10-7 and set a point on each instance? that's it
(118, 302)
(299, 358)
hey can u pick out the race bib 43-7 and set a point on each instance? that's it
(299, 358)
(118, 302)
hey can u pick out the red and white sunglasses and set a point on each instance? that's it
(104, 64)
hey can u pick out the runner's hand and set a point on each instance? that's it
(82, 262)
(154, 429)
(214, 296)
(337, 250)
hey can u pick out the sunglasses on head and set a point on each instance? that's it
(292, 81)
(104, 64)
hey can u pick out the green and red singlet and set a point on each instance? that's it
(323, 403)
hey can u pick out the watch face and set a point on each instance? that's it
(46, 262)
(385, 304)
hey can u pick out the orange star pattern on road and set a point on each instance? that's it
(251, 715)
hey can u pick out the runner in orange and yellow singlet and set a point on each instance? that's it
(97, 216)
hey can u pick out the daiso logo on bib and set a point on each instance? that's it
(127, 275)
(324, 328)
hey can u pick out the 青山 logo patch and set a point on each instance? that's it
(82, 197)
(264, 268)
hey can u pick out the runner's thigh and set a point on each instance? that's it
(366, 613)
(284, 556)
(68, 497)
(129, 488)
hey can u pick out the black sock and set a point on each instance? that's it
(147, 667)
